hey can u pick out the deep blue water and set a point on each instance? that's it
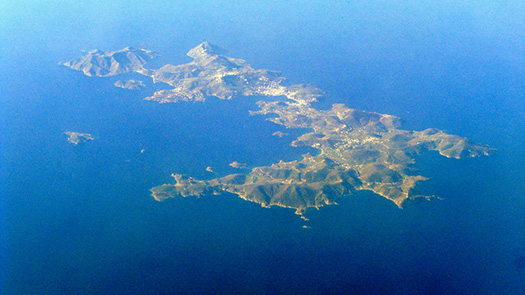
(79, 219)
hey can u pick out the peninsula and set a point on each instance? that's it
(357, 150)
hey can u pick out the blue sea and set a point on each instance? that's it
(80, 219)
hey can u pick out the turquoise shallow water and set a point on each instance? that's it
(79, 219)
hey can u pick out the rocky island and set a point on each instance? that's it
(357, 150)
(76, 137)
(130, 84)
(104, 64)
(238, 165)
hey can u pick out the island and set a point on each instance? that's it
(356, 150)
(238, 165)
(280, 134)
(77, 137)
(104, 64)
(130, 84)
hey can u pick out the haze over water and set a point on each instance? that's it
(79, 219)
